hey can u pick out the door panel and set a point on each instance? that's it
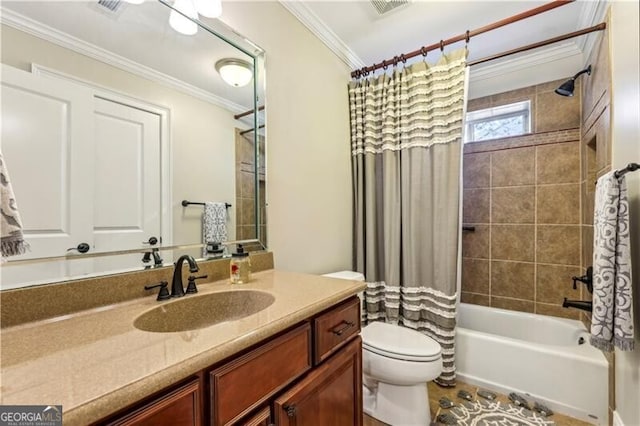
(127, 176)
(54, 122)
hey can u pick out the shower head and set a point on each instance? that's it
(566, 88)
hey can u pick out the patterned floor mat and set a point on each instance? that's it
(494, 413)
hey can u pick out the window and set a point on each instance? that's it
(499, 122)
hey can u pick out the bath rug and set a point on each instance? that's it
(482, 412)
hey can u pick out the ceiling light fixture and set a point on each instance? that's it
(179, 22)
(566, 88)
(235, 72)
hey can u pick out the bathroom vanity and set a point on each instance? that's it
(297, 361)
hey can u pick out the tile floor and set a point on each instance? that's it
(436, 392)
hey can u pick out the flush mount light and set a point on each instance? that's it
(566, 88)
(235, 72)
(179, 22)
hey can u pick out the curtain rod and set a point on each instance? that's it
(242, 114)
(251, 129)
(567, 36)
(466, 36)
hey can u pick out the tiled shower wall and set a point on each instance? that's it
(522, 195)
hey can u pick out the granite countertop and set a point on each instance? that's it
(96, 362)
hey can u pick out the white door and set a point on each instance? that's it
(127, 176)
(47, 141)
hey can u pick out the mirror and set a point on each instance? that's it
(111, 118)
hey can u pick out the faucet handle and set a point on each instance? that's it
(191, 287)
(163, 294)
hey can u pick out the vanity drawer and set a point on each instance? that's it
(243, 384)
(334, 328)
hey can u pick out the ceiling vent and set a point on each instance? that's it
(111, 8)
(386, 6)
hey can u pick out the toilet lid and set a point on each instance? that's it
(398, 342)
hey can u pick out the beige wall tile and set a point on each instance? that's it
(476, 170)
(558, 244)
(553, 283)
(555, 112)
(558, 204)
(475, 276)
(512, 279)
(557, 311)
(504, 98)
(587, 246)
(512, 304)
(476, 299)
(512, 242)
(475, 206)
(513, 204)
(603, 141)
(513, 167)
(479, 103)
(558, 163)
(551, 86)
(476, 243)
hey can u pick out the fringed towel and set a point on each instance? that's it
(13, 242)
(612, 318)
(214, 224)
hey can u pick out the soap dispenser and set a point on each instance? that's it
(240, 266)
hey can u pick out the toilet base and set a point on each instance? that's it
(397, 405)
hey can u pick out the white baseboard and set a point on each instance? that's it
(617, 421)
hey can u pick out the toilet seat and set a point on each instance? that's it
(393, 341)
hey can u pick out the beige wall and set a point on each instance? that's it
(625, 135)
(201, 133)
(522, 195)
(308, 154)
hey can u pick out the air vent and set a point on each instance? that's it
(386, 6)
(111, 8)
(111, 5)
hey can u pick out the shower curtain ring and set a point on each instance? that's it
(467, 37)
(423, 51)
(395, 61)
(442, 46)
(403, 58)
(384, 64)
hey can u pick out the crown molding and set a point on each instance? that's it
(530, 60)
(317, 26)
(35, 28)
(592, 13)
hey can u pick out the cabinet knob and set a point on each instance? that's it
(290, 409)
(152, 241)
(81, 248)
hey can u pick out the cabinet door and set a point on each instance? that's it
(262, 418)
(180, 407)
(331, 395)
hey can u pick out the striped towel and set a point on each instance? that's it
(13, 242)
(214, 224)
(612, 317)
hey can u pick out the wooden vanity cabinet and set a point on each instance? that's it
(330, 395)
(179, 407)
(310, 375)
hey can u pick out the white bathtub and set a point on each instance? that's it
(535, 355)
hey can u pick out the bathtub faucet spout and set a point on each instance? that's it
(578, 304)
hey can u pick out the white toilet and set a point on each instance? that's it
(397, 363)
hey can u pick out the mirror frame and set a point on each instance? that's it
(257, 58)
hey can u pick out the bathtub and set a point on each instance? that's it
(535, 355)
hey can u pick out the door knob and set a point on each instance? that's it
(81, 248)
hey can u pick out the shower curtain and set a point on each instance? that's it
(406, 131)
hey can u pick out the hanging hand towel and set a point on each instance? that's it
(214, 224)
(612, 318)
(13, 242)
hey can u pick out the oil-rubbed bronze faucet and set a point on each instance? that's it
(177, 289)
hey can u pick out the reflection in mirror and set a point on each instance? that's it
(111, 118)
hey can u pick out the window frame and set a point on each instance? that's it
(525, 112)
